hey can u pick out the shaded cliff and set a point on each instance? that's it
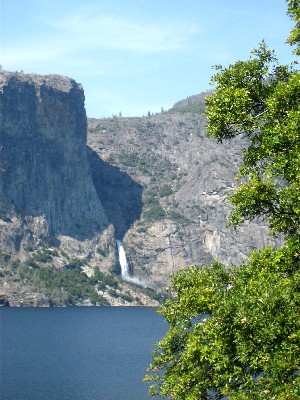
(120, 195)
(47, 195)
(44, 169)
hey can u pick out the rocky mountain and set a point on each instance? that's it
(51, 217)
(157, 184)
(173, 211)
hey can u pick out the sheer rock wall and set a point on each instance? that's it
(46, 189)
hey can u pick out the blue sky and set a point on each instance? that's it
(135, 56)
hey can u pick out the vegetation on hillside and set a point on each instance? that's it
(192, 104)
(68, 285)
(235, 332)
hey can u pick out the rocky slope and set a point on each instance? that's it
(173, 210)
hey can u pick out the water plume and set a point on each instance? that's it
(122, 260)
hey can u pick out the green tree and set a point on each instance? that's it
(294, 13)
(260, 99)
(235, 332)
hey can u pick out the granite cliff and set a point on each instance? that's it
(175, 214)
(46, 189)
(51, 217)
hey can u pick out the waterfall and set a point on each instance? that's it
(122, 260)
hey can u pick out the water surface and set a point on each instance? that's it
(84, 353)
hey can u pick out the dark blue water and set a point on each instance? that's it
(86, 353)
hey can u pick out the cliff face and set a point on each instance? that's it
(186, 178)
(46, 189)
(57, 246)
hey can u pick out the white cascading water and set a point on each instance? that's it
(122, 260)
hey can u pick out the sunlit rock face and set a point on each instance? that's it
(173, 210)
(46, 189)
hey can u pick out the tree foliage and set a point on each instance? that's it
(260, 99)
(235, 332)
(294, 13)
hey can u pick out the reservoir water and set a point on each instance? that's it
(80, 353)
